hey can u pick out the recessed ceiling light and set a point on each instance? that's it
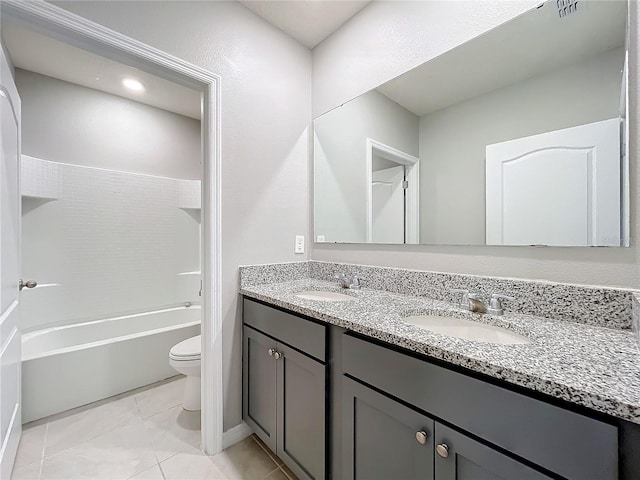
(133, 84)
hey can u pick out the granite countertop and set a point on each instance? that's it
(595, 367)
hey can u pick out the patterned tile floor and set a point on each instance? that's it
(143, 435)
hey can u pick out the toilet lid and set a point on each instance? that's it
(187, 349)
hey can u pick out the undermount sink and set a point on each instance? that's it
(466, 329)
(324, 296)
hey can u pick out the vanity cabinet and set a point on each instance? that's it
(497, 434)
(386, 439)
(285, 385)
(459, 457)
(398, 414)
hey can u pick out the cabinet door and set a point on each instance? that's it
(259, 385)
(384, 439)
(466, 459)
(301, 407)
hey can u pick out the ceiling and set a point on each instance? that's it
(538, 41)
(41, 54)
(307, 21)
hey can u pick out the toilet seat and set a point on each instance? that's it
(187, 350)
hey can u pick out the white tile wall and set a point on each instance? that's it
(113, 242)
(40, 179)
(189, 195)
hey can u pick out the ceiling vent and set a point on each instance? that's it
(566, 7)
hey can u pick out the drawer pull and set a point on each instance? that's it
(421, 437)
(443, 450)
(271, 351)
(277, 355)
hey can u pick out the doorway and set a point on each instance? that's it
(393, 195)
(64, 26)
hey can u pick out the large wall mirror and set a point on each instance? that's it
(517, 137)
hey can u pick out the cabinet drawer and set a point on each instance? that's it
(304, 335)
(564, 442)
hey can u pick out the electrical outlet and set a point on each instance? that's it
(299, 248)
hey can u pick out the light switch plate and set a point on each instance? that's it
(299, 248)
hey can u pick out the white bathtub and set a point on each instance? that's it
(72, 365)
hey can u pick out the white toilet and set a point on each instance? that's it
(185, 358)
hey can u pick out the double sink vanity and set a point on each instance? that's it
(399, 379)
(368, 373)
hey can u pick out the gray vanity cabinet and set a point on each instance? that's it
(459, 457)
(285, 385)
(554, 439)
(384, 439)
(259, 378)
(300, 394)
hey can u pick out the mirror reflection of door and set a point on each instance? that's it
(393, 196)
(388, 205)
(558, 188)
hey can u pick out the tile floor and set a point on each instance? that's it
(143, 435)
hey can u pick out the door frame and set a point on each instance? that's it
(78, 31)
(412, 217)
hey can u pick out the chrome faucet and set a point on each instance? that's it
(352, 282)
(495, 303)
(473, 302)
(470, 301)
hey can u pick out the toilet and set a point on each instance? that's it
(184, 357)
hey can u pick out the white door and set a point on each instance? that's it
(10, 338)
(387, 202)
(558, 188)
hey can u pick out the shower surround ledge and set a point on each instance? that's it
(595, 364)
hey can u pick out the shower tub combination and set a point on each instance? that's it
(69, 366)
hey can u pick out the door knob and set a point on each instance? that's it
(443, 450)
(271, 351)
(27, 284)
(421, 437)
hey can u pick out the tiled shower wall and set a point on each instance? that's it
(102, 243)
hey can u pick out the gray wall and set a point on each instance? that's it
(266, 96)
(64, 122)
(453, 140)
(340, 167)
(358, 57)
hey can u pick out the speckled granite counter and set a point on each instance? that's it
(592, 366)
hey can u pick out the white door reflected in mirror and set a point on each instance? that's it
(559, 188)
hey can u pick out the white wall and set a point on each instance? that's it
(453, 140)
(266, 96)
(387, 39)
(64, 122)
(340, 161)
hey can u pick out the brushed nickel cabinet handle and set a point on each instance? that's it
(421, 437)
(443, 450)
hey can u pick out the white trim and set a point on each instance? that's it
(9, 449)
(78, 31)
(235, 435)
(412, 224)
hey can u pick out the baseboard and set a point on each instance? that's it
(235, 434)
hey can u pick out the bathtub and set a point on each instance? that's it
(72, 365)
